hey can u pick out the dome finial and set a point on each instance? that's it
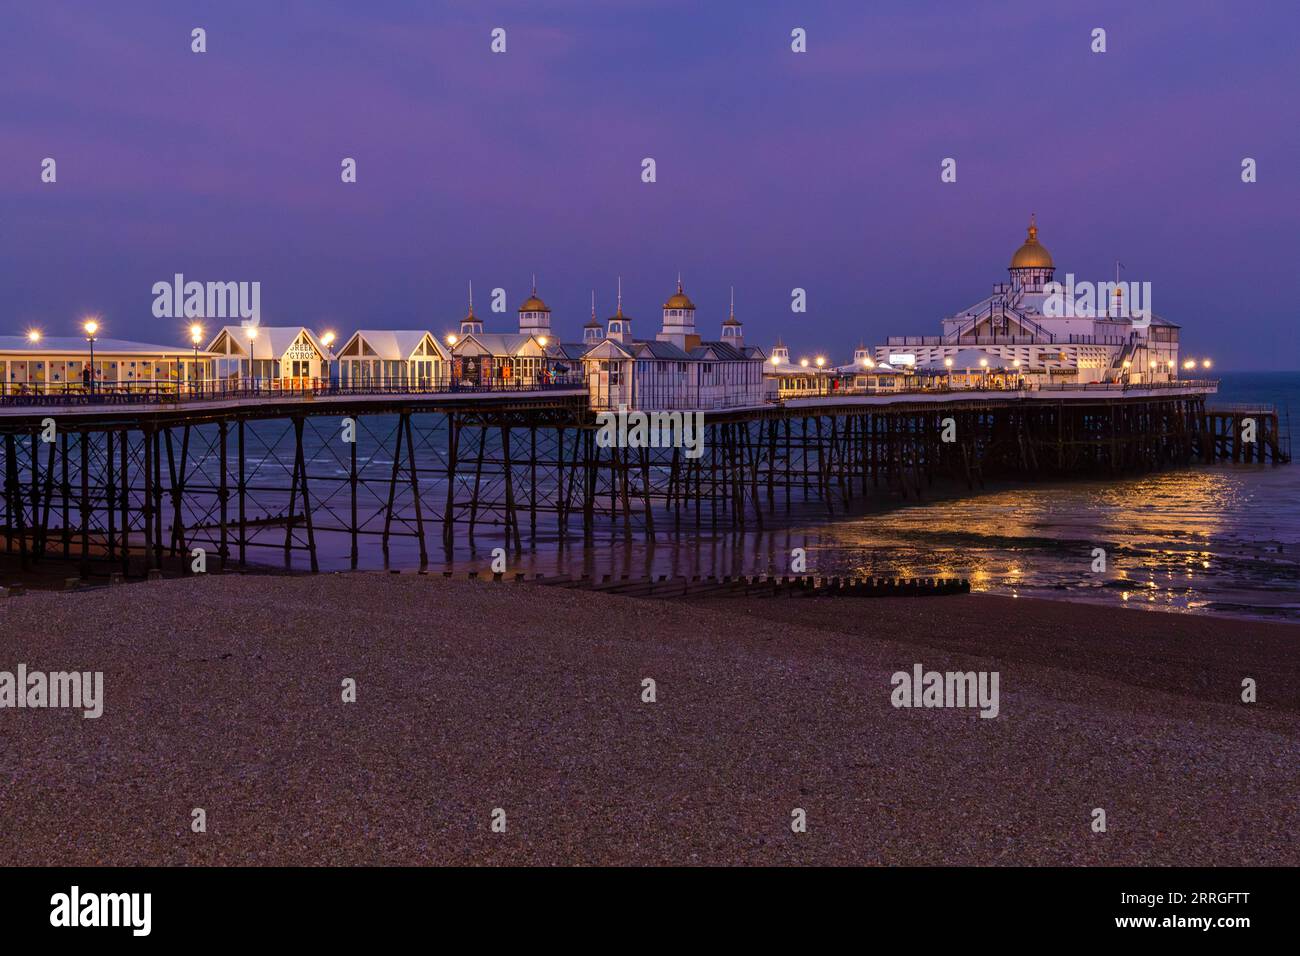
(733, 301)
(1033, 228)
(471, 298)
(679, 280)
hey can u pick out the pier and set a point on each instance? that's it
(262, 478)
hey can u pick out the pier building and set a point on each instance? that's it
(37, 365)
(413, 357)
(274, 356)
(1017, 323)
(677, 369)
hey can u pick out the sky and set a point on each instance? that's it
(775, 170)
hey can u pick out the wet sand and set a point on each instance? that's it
(224, 693)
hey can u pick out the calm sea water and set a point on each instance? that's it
(1223, 539)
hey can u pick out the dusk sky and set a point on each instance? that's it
(775, 170)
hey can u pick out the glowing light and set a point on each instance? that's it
(984, 363)
(327, 339)
(948, 362)
(1205, 364)
(776, 360)
(451, 338)
(803, 362)
(33, 335)
(1127, 363)
(868, 363)
(541, 340)
(820, 361)
(196, 334)
(1016, 363)
(1190, 363)
(91, 326)
(251, 332)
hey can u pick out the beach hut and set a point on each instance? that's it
(506, 360)
(278, 356)
(401, 359)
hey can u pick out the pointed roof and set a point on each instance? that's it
(731, 319)
(394, 345)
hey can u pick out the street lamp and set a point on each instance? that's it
(327, 340)
(947, 363)
(251, 332)
(33, 335)
(196, 336)
(91, 327)
(1205, 364)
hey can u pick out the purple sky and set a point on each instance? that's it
(775, 170)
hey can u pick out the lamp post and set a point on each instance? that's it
(251, 332)
(196, 336)
(91, 327)
(947, 363)
(327, 340)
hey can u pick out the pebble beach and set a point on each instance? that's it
(225, 693)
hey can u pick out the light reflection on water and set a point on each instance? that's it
(1223, 539)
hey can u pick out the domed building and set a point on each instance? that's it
(1022, 328)
(677, 370)
(1031, 266)
(535, 317)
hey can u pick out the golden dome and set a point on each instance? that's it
(1032, 255)
(533, 304)
(679, 299)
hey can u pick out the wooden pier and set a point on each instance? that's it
(133, 489)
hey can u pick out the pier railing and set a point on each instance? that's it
(171, 393)
(994, 385)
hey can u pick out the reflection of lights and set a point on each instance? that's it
(1123, 596)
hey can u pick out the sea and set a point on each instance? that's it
(1219, 540)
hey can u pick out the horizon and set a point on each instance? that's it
(474, 166)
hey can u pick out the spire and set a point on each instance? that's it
(1033, 228)
(534, 283)
(679, 281)
(619, 310)
(733, 303)
(471, 298)
(593, 305)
